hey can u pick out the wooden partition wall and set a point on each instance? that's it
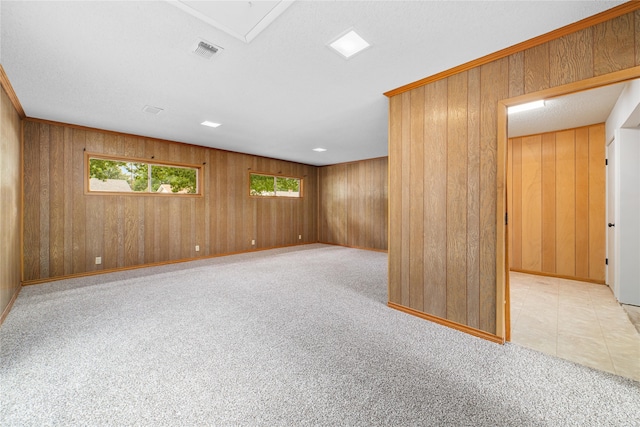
(556, 203)
(353, 204)
(444, 174)
(10, 224)
(66, 229)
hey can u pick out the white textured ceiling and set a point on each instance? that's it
(99, 63)
(567, 112)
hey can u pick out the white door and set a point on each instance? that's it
(611, 195)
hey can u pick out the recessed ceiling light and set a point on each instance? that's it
(525, 107)
(319, 149)
(349, 44)
(210, 124)
(152, 110)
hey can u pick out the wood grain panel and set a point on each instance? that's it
(582, 202)
(435, 200)
(10, 201)
(531, 203)
(395, 201)
(516, 74)
(536, 68)
(636, 19)
(494, 86)
(67, 229)
(516, 197)
(457, 152)
(565, 203)
(406, 199)
(571, 57)
(614, 46)
(416, 202)
(549, 202)
(597, 199)
(473, 198)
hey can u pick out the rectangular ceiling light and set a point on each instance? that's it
(525, 107)
(349, 44)
(210, 124)
(319, 150)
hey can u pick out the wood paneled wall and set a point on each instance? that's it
(556, 197)
(443, 166)
(10, 200)
(353, 204)
(65, 229)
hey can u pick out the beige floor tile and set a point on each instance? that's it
(581, 322)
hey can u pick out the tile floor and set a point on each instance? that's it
(577, 321)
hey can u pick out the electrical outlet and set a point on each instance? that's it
(197, 248)
(253, 242)
(98, 260)
(299, 236)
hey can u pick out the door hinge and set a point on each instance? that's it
(606, 261)
(606, 162)
(506, 218)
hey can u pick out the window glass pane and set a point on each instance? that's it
(172, 179)
(262, 185)
(126, 177)
(287, 187)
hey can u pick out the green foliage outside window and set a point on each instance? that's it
(136, 175)
(268, 185)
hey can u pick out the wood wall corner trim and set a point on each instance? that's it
(7, 309)
(454, 325)
(6, 85)
(590, 21)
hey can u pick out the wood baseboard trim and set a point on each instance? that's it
(454, 325)
(355, 247)
(153, 264)
(558, 276)
(7, 309)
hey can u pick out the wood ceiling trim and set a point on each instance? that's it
(590, 21)
(6, 85)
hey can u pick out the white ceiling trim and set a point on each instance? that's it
(257, 25)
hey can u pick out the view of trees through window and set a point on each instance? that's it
(122, 176)
(274, 186)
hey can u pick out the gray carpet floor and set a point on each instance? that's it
(286, 337)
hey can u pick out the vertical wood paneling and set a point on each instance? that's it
(406, 198)
(456, 178)
(614, 46)
(416, 202)
(473, 199)
(435, 200)
(132, 230)
(395, 201)
(516, 197)
(565, 203)
(353, 204)
(549, 203)
(574, 57)
(494, 84)
(10, 204)
(531, 210)
(597, 192)
(582, 202)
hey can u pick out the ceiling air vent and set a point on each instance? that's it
(206, 50)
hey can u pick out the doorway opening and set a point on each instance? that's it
(504, 262)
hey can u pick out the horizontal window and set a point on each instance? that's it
(112, 175)
(275, 186)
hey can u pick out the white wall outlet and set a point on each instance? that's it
(299, 236)
(253, 242)
(98, 260)
(197, 248)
